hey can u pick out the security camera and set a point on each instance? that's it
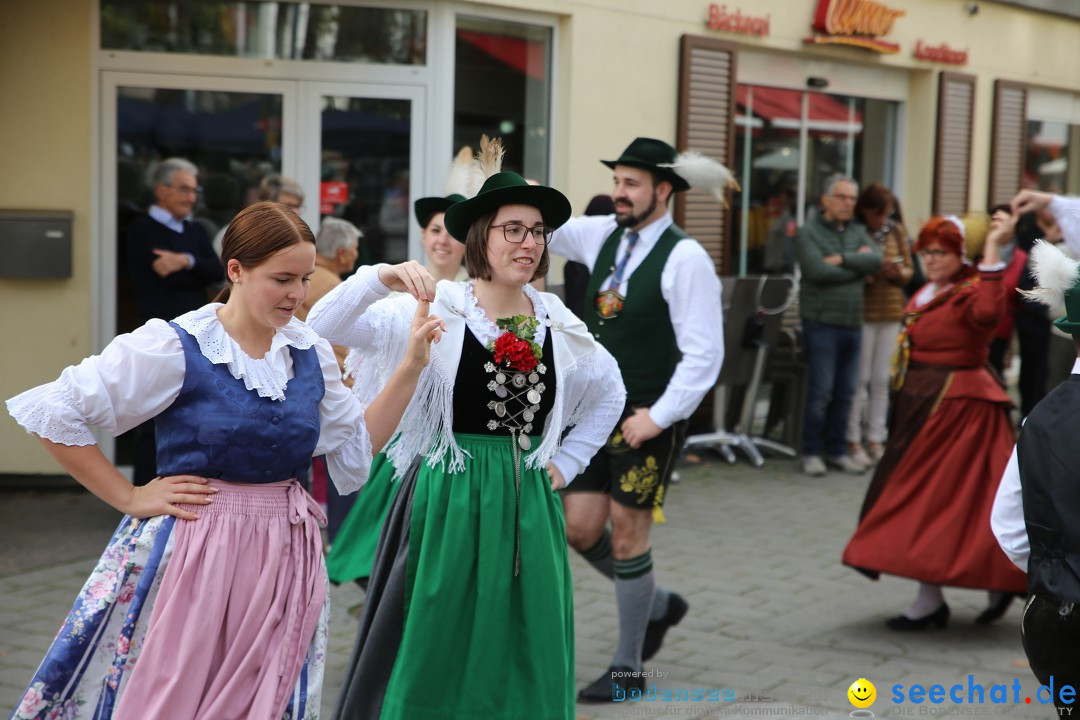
(972, 9)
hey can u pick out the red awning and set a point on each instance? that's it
(528, 58)
(783, 108)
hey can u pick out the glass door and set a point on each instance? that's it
(364, 153)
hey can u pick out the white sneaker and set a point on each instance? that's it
(858, 454)
(845, 463)
(813, 465)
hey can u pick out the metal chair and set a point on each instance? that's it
(752, 312)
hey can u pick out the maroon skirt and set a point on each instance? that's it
(927, 511)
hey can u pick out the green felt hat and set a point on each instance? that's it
(507, 188)
(428, 207)
(1070, 321)
(651, 154)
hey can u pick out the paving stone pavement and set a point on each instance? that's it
(777, 627)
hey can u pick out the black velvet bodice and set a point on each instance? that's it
(475, 394)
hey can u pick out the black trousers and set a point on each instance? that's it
(1051, 634)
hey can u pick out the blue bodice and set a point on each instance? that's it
(218, 428)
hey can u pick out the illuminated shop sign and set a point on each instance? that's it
(940, 53)
(862, 23)
(720, 18)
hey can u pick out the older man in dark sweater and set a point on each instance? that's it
(172, 264)
(171, 259)
(835, 256)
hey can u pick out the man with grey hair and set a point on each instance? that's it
(172, 265)
(835, 257)
(336, 248)
(273, 188)
(284, 190)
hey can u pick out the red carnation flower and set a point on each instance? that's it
(521, 356)
(503, 344)
(516, 352)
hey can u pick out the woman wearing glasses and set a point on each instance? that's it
(926, 515)
(470, 610)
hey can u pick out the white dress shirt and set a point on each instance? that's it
(1007, 516)
(691, 289)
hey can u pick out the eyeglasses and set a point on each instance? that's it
(185, 190)
(848, 198)
(516, 233)
(936, 253)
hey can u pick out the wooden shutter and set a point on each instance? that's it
(707, 124)
(952, 162)
(1007, 141)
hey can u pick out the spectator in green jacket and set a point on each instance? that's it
(835, 257)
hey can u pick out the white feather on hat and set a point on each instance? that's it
(487, 162)
(457, 180)
(704, 173)
(1056, 274)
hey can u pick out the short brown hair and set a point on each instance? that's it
(476, 264)
(259, 231)
(875, 197)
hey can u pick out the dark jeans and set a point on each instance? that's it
(1051, 637)
(832, 361)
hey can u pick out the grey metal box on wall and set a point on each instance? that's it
(35, 243)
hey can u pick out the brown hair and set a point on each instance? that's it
(875, 197)
(476, 264)
(942, 231)
(258, 232)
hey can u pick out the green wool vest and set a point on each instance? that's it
(641, 337)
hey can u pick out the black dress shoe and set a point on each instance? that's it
(612, 685)
(939, 619)
(656, 629)
(997, 610)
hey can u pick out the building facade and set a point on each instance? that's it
(952, 104)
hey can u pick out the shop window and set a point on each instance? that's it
(502, 88)
(1052, 157)
(280, 30)
(787, 144)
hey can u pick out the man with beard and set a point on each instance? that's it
(653, 300)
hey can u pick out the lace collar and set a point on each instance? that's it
(487, 331)
(267, 375)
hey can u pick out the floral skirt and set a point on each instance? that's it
(222, 617)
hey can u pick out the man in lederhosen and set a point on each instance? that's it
(653, 300)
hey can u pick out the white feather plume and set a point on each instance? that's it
(486, 163)
(1055, 273)
(457, 180)
(704, 173)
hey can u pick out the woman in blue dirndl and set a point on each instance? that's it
(209, 602)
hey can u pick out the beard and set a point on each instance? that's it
(628, 219)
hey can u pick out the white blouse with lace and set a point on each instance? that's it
(589, 393)
(139, 374)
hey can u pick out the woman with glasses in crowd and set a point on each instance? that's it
(469, 610)
(926, 515)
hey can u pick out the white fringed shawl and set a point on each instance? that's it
(589, 392)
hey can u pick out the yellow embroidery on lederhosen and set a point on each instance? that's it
(641, 480)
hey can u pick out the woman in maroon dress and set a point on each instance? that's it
(927, 511)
